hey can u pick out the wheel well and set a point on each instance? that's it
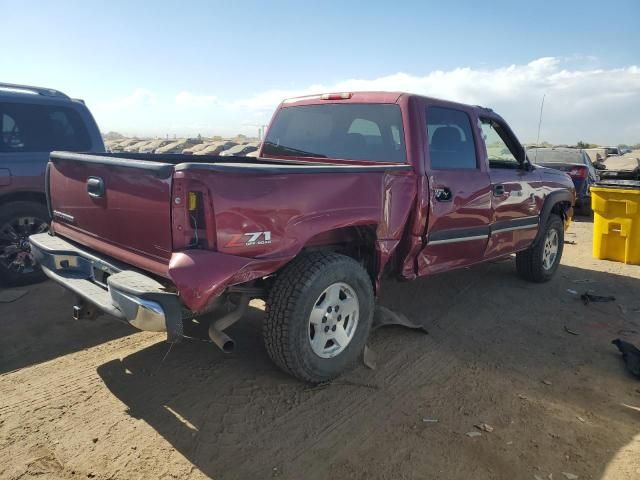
(357, 242)
(561, 209)
(23, 197)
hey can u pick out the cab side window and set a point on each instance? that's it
(451, 143)
(498, 152)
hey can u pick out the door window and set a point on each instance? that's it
(498, 152)
(451, 144)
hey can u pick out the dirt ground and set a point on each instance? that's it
(99, 400)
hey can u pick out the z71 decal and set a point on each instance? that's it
(249, 239)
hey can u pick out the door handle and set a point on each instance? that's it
(95, 187)
(442, 194)
(498, 190)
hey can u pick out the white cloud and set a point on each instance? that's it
(188, 99)
(596, 105)
(140, 97)
(582, 103)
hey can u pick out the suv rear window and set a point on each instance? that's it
(41, 128)
(338, 131)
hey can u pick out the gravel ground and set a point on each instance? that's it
(99, 400)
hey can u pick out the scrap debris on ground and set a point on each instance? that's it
(8, 296)
(630, 355)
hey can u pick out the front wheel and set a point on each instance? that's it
(540, 261)
(318, 316)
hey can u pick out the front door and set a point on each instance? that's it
(515, 190)
(459, 218)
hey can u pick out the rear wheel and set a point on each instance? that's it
(319, 314)
(540, 261)
(19, 220)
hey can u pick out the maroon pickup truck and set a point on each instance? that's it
(347, 188)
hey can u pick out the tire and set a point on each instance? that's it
(531, 264)
(585, 208)
(301, 306)
(18, 220)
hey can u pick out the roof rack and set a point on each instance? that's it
(47, 92)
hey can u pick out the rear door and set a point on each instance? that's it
(460, 208)
(516, 196)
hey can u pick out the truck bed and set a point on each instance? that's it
(253, 210)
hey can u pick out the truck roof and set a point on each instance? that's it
(368, 97)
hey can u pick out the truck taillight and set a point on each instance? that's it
(578, 172)
(336, 96)
(191, 215)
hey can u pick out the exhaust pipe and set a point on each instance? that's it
(216, 334)
(222, 340)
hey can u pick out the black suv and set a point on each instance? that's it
(33, 122)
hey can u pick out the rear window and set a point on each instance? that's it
(41, 128)
(553, 156)
(338, 131)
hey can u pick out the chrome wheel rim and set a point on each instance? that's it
(551, 246)
(15, 250)
(333, 320)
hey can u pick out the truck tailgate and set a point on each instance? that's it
(125, 203)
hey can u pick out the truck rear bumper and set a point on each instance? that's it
(109, 286)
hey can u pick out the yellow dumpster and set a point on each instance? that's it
(616, 221)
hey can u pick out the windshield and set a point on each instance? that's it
(338, 131)
(540, 155)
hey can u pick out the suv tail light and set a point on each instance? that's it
(578, 172)
(191, 215)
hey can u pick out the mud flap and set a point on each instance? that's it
(383, 317)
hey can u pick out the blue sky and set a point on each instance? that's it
(218, 67)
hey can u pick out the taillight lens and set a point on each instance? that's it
(191, 215)
(578, 172)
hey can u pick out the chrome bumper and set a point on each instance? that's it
(110, 286)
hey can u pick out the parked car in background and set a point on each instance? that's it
(120, 147)
(576, 163)
(196, 148)
(151, 147)
(612, 151)
(110, 145)
(178, 145)
(240, 150)
(33, 122)
(348, 187)
(135, 147)
(216, 148)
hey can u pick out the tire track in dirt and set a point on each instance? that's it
(364, 411)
